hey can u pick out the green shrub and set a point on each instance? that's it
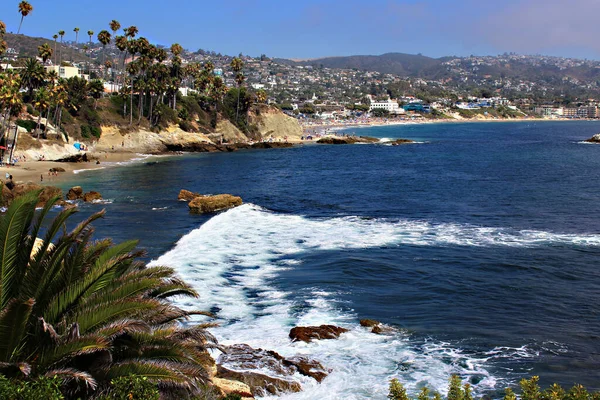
(131, 388)
(27, 124)
(187, 126)
(95, 131)
(30, 109)
(164, 115)
(85, 131)
(530, 390)
(40, 388)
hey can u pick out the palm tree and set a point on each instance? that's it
(33, 75)
(237, 65)
(55, 37)
(24, 9)
(114, 26)
(61, 34)
(45, 52)
(41, 104)
(96, 89)
(3, 45)
(76, 30)
(89, 312)
(90, 34)
(104, 39)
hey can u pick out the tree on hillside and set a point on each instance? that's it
(33, 76)
(88, 311)
(45, 52)
(61, 34)
(96, 90)
(90, 34)
(76, 30)
(24, 9)
(3, 45)
(237, 65)
(41, 103)
(104, 39)
(55, 37)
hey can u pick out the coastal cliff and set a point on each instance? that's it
(270, 123)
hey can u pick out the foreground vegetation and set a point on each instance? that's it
(88, 313)
(530, 390)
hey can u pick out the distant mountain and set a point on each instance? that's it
(27, 46)
(389, 63)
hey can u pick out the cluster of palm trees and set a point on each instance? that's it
(89, 311)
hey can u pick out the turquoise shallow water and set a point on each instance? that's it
(480, 246)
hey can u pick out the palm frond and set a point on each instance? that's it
(70, 375)
(13, 234)
(121, 327)
(13, 320)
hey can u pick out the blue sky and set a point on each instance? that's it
(312, 28)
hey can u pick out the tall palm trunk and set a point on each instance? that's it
(19, 31)
(14, 144)
(131, 103)
(237, 109)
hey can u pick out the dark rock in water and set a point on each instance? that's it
(209, 204)
(75, 193)
(399, 142)
(186, 195)
(260, 384)
(244, 357)
(594, 139)
(377, 329)
(92, 196)
(81, 157)
(369, 323)
(347, 140)
(308, 333)
(308, 367)
(271, 145)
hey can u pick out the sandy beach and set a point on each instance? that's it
(38, 171)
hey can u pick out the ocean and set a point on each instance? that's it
(479, 246)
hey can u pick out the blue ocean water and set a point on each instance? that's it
(479, 246)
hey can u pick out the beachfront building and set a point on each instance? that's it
(549, 111)
(67, 72)
(390, 105)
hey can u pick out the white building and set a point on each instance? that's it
(67, 72)
(390, 105)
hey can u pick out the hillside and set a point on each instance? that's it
(27, 46)
(389, 63)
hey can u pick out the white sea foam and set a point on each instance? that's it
(232, 259)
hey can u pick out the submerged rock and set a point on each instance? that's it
(209, 204)
(308, 333)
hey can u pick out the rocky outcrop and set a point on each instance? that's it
(20, 189)
(272, 123)
(186, 195)
(266, 371)
(310, 333)
(75, 193)
(57, 169)
(228, 133)
(594, 139)
(75, 158)
(209, 204)
(347, 140)
(260, 384)
(376, 326)
(231, 387)
(92, 196)
(399, 142)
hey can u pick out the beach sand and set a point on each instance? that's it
(32, 171)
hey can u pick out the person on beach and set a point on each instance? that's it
(41, 177)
